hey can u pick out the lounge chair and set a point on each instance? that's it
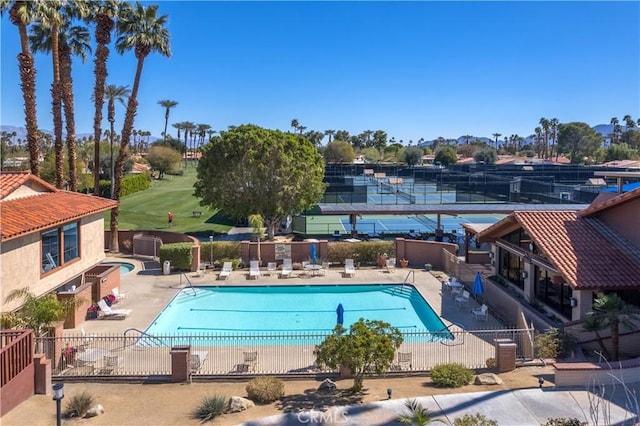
(254, 269)
(287, 268)
(481, 313)
(112, 313)
(227, 268)
(250, 361)
(464, 299)
(325, 268)
(272, 267)
(404, 360)
(391, 264)
(349, 269)
(197, 360)
(119, 296)
(110, 364)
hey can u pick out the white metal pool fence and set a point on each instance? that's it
(282, 353)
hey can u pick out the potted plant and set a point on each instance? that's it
(404, 263)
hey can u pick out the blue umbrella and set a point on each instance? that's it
(313, 252)
(478, 288)
(340, 312)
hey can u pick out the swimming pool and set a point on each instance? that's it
(125, 267)
(276, 310)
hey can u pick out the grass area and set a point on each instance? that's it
(148, 209)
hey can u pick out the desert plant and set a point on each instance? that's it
(417, 415)
(553, 344)
(78, 405)
(476, 419)
(264, 390)
(210, 407)
(561, 421)
(452, 375)
(490, 362)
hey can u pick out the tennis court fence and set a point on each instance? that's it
(288, 354)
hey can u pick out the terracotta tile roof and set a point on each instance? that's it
(10, 181)
(31, 214)
(622, 198)
(584, 256)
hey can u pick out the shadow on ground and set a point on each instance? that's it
(313, 399)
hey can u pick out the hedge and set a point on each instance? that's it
(222, 251)
(179, 254)
(365, 252)
(130, 184)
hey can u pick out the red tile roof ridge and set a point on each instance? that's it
(12, 180)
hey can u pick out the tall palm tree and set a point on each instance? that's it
(178, 127)
(628, 121)
(496, 135)
(538, 146)
(329, 133)
(141, 29)
(167, 105)
(615, 123)
(202, 132)
(188, 128)
(544, 123)
(553, 124)
(295, 124)
(103, 14)
(595, 324)
(21, 13)
(113, 94)
(614, 311)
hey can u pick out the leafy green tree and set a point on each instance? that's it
(446, 155)
(171, 142)
(614, 312)
(164, 159)
(488, 155)
(412, 155)
(578, 139)
(620, 151)
(250, 170)
(339, 152)
(368, 347)
(371, 154)
(36, 313)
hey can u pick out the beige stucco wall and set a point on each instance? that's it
(20, 261)
(624, 219)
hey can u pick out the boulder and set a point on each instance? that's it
(327, 385)
(487, 379)
(94, 411)
(237, 404)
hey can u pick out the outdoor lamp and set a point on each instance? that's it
(389, 392)
(211, 252)
(540, 381)
(58, 394)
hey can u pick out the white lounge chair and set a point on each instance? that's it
(349, 269)
(110, 313)
(325, 268)
(481, 313)
(119, 296)
(254, 269)
(227, 268)
(287, 268)
(272, 267)
(197, 360)
(464, 299)
(391, 263)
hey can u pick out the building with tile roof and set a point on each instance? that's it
(47, 236)
(563, 259)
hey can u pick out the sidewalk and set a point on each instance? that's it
(519, 407)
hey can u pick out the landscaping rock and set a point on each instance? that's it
(327, 385)
(95, 411)
(487, 379)
(237, 404)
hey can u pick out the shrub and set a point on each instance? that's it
(264, 390)
(553, 344)
(210, 407)
(474, 420)
(179, 254)
(78, 405)
(222, 251)
(491, 362)
(451, 375)
(364, 252)
(561, 421)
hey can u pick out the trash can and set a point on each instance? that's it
(166, 267)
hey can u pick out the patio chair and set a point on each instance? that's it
(325, 268)
(250, 361)
(272, 267)
(110, 364)
(287, 268)
(349, 269)
(119, 296)
(404, 360)
(481, 313)
(391, 264)
(112, 313)
(196, 360)
(464, 299)
(227, 268)
(254, 269)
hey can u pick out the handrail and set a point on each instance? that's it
(195, 293)
(142, 333)
(411, 272)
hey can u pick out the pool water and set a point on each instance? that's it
(293, 309)
(125, 267)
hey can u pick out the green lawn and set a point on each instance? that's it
(148, 209)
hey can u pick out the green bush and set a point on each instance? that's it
(210, 407)
(130, 183)
(222, 250)
(474, 420)
(561, 421)
(179, 254)
(78, 405)
(364, 252)
(451, 375)
(265, 389)
(553, 344)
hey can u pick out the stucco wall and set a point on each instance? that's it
(21, 261)
(624, 220)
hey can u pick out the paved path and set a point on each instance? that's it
(519, 407)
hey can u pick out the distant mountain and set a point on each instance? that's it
(21, 133)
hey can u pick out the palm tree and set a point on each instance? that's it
(188, 128)
(614, 134)
(417, 415)
(114, 94)
(538, 146)
(21, 13)
(167, 105)
(496, 135)
(628, 121)
(202, 132)
(329, 133)
(553, 123)
(140, 28)
(544, 123)
(177, 126)
(595, 324)
(295, 124)
(614, 311)
(103, 13)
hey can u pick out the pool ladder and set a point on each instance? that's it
(158, 341)
(411, 274)
(195, 293)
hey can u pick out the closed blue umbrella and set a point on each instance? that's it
(313, 252)
(478, 288)
(340, 312)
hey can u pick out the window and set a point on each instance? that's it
(551, 289)
(60, 246)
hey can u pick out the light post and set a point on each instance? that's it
(58, 394)
(211, 251)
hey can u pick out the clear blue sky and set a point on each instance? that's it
(414, 69)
